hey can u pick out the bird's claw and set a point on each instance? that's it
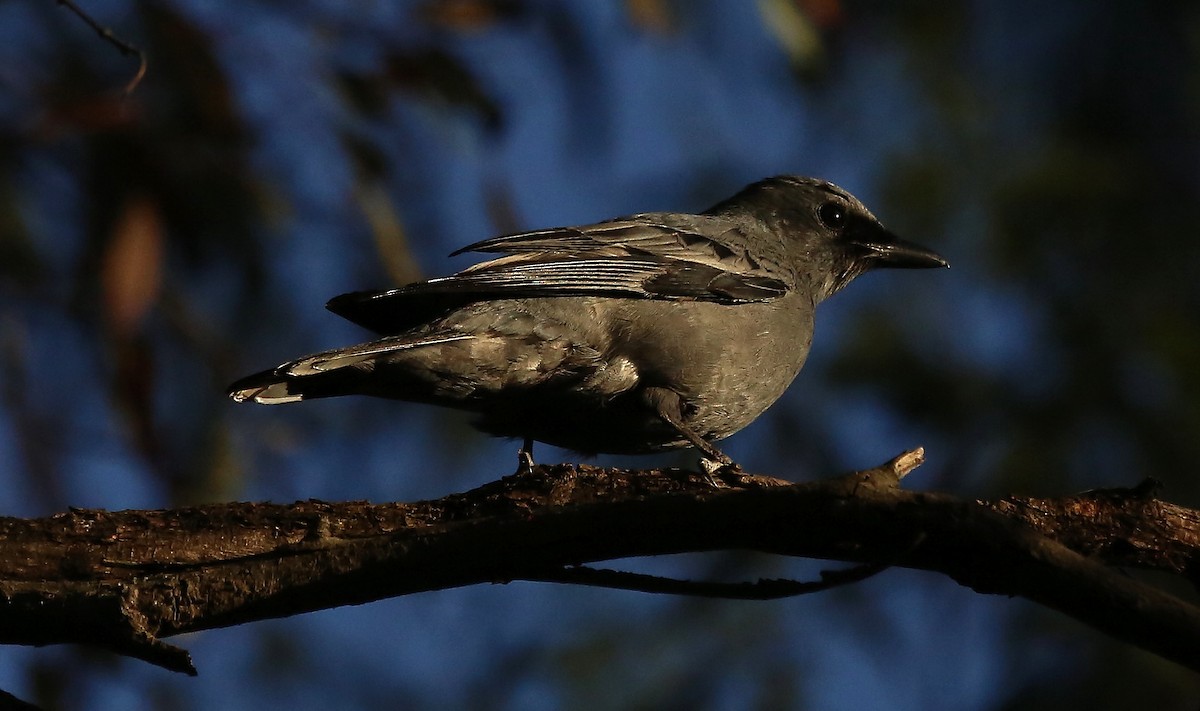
(525, 463)
(721, 474)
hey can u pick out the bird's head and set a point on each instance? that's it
(820, 235)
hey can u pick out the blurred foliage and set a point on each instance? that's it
(154, 247)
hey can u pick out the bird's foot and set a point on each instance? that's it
(525, 463)
(716, 466)
(723, 473)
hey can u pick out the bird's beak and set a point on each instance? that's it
(884, 249)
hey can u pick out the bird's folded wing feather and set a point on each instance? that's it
(636, 277)
(550, 275)
(690, 237)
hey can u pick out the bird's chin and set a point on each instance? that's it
(840, 278)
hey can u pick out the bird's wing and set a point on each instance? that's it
(707, 239)
(554, 274)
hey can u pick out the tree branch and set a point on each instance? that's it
(758, 590)
(124, 580)
(109, 36)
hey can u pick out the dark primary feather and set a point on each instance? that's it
(623, 259)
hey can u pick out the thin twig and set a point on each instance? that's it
(106, 34)
(762, 589)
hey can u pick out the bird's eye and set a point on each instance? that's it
(832, 215)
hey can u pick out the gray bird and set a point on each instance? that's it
(634, 335)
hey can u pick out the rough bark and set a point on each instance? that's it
(125, 580)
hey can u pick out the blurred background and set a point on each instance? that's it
(155, 247)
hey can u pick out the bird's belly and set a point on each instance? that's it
(729, 364)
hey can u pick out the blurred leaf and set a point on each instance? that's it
(391, 239)
(651, 15)
(192, 153)
(94, 113)
(132, 265)
(825, 14)
(368, 159)
(368, 93)
(133, 388)
(19, 262)
(798, 31)
(431, 73)
(39, 430)
(225, 474)
(502, 209)
(185, 65)
(468, 15)
(443, 77)
(131, 269)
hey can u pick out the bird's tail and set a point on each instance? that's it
(343, 371)
(277, 386)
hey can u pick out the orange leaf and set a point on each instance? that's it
(131, 269)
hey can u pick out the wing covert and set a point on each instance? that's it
(700, 238)
(553, 275)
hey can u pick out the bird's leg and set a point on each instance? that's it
(525, 458)
(668, 405)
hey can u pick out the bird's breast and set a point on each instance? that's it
(729, 362)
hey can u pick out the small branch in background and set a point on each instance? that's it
(106, 34)
(761, 589)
